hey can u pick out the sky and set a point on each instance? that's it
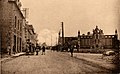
(47, 15)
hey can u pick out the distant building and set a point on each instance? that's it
(95, 40)
(11, 23)
(30, 34)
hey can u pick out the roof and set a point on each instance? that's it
(14, 1)
(30, 27)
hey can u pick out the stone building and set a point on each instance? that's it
(28, 35)
(24, 36)
(11, 23)
(95, 40)
(31, 34)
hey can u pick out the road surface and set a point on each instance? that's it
(50, 63)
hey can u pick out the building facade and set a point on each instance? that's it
(97, 40)
(94, 40)
(30, 38)
(11, 24)
(31, 34)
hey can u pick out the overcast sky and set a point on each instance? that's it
(47, 15)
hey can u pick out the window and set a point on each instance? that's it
(15, 21)
(18, 24)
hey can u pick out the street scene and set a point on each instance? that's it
(56, 63)
(59, 37)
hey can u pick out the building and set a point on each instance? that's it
(95, 40)
(31, 35)
(24, 36)
(11, 24)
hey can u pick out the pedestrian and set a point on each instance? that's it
(27, 49)
(43, 50)
(37, 49)
(33, 49)
(9, 50)
(30, 47)
(71, 50)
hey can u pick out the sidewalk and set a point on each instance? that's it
(12, 56)
(96, 60)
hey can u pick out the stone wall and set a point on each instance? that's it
(11, 34)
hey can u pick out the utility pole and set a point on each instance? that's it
(56, 41)
(51, 40)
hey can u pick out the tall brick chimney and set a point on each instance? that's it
(62, 34)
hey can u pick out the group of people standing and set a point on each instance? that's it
(31, 49)
(38, 48)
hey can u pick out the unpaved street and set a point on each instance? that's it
(51, 63)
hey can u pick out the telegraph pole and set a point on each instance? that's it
(56, 41)
(51, 40)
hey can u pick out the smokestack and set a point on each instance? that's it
(62, 34)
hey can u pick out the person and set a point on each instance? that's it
(43, 50)
(37, 49)
(27, 49)
(30, 47)
(77, 47)
(9, 50)
(33, 49)
(71, 50)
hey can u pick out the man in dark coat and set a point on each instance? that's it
(71, 50)
(43, 50)
(27, 49)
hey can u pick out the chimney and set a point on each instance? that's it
(62, 34)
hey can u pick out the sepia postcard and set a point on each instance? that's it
(60, 36)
